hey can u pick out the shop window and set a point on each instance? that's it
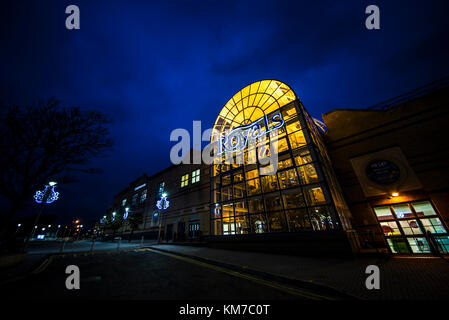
(277, 222)
(281, 145)
(253, 187)
(228, 226)
(283, 164)
(298, 220)
(443, 243)
(242, 225)
(238, 177)
(196, 176)
(297, 139)
(218, 227)
(423, 208)
(307, 174)
(269, 183)
(288, 178)
(383, 213)
(321, 218)
(272, 202)
(184, 180)
(258, 223)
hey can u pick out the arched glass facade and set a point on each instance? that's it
(300, 194)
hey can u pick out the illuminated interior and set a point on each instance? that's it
(294, 198)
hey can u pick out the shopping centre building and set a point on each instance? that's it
(362, 180)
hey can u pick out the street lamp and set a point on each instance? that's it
(46, 196)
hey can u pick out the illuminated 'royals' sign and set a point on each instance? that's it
(238, 138)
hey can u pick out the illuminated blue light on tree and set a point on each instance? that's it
(163, 203)
(125, 216)
(48, 195)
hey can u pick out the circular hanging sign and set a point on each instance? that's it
(382, 172)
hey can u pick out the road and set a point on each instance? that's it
(46, 247)
(147, 274)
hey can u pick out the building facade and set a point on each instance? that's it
(364, 180)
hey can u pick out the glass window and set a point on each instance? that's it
(314, 196)
(292, 127)
(289, 112)
(218, 227)
(286, 163)
(272, 202)
(307, 174)
(419, 245)
(239, 190)
(303, 158)
(134, 199)
(390, 228)
(398, 245)
(288, 178)
(253, 187)
(269, 183)
(410, 227)
(434, 225)
(423, 208)
(297, 139)
(226, 179)
(252, 174)
(240, 208)
(298, 220)
(238, 177)
(227, 210)
(226, 193)
(196, 176)
(184, 180)
(293, 198)
(258, 223)
(321, 218)
(242, 225)
(279, 145)
(277, 222)
(383, 213)
(443, 243)
(143, 196)
(228, 226)
(255, 205)
(402, 211)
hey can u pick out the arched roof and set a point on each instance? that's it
(253, 102)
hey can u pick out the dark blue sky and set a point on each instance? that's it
(158, 65)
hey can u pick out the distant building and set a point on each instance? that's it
(364, 180)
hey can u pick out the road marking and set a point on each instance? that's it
(267, 283)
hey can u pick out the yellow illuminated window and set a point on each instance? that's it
(315, 196)
(288, 178)
(295, 126)
(252, 174)
(269, 183)
(297, 139)
(184, 180)
(253, 187)
(307, 174)
(196, 176)
(303, 158)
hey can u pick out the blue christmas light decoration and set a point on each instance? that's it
(125, 216)
(163, 203)
(48, 195)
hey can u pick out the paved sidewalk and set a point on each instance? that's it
(400, 278)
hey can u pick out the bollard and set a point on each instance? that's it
(141, 242)
(92, 246)
(118, 244)
(62, 246)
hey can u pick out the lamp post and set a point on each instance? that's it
(46, 196)
(162, 205)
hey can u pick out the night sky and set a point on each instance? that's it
(154, 66)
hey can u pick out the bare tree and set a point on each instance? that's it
(43, 140)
